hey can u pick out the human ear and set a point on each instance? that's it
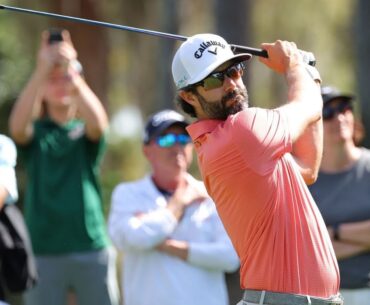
(189, 97)
(146, 151)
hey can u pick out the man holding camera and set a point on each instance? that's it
(62, 153)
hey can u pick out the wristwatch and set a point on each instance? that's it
(335, 231)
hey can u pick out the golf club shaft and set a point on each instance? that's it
(235, 48)
(309, 58)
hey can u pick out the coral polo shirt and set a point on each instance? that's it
(264, 203)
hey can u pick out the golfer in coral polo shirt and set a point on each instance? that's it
(256, 164)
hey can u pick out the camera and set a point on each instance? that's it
(55, 35)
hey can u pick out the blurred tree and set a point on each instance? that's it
(169, 24)
(233, 22)
(363, 62)
(14, 65)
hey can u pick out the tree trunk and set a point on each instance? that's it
(169, 24)
(233, 22)
(363, 62)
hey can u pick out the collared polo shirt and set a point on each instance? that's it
(151, 277)
(63, 204)
(264, 203)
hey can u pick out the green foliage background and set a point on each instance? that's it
(138, 66)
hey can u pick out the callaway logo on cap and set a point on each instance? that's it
(205, 46)
(198, 56)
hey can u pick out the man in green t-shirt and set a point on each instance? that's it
(63, 206)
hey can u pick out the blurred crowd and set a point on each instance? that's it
(166, 225)
(163, 230)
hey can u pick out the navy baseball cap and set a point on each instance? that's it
(329, 93)
(160, 121)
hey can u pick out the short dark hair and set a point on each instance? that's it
(184, 105)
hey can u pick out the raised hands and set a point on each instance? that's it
(282, 55)
(185, 195)
(61, 53)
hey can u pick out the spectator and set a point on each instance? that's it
(58, 124)
(174, 245)
(8, 184)
(256, 164)
(342, 195)
(233, 286)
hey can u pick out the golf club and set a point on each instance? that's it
(308, 56)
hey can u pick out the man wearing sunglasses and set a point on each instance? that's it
(342, 195)
(175, 247)
(256, 164)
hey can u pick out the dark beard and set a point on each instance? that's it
(218, 110)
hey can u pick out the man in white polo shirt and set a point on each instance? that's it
(175, 248)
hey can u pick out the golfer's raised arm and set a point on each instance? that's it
(308, 144)
(304, 105)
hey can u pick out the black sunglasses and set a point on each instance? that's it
(216, 79)
(330, 111)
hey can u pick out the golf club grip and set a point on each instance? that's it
(308, 57)
(253, 51)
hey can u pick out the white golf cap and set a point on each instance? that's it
(199, 55)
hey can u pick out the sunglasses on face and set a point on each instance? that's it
(330, 111)
(171, 139)
(216, 79)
